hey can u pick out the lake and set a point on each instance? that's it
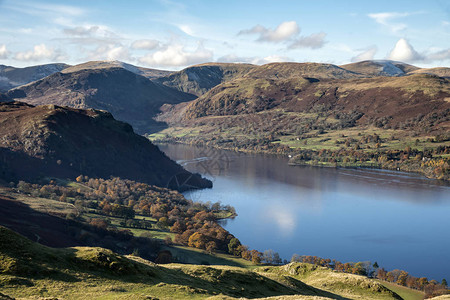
(400, 220)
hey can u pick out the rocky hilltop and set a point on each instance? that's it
(53, 141)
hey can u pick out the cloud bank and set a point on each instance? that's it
(367, 54)
(282, 32)
(39, 52)
(176, 56)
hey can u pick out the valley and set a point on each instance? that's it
(80, 165)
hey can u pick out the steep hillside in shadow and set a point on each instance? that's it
(52, 141)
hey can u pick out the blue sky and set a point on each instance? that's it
(170, 34)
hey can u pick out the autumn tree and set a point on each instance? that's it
(211, 246)
(381, 274)
(256, 256)
(197, 240)
(401, 280)
(178, 227)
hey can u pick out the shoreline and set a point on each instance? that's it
(291, 156)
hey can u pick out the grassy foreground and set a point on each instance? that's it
(30, 270)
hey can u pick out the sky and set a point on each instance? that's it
(171, 35)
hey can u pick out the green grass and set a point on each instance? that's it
(404, 292)
(200, 257)
(30, 270)
(155, 233)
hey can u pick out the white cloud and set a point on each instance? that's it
(232, 58)
(186, 29)
(44, 10)
(4, 53)
(145, 44)
(177, 56)
(39, 52)
(98, 31)
(386, 20)
(313, 41)
(109, 52)
(81, 30)
(270, 59)
(282, 32)
(367, 54)
(404, 52)
(440, 55)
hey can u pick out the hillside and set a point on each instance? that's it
(28, 269)
(199, 79)
(294, 70)
(11, 77)
(128, 96)
(52, 141)
(373, 68)
(395, 99)
(356, 121)
(442, 72)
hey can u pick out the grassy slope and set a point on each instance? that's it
(31, 270)
(404, 292)
(180, 253)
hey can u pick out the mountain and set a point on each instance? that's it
(91, 65)
(294, 70)
(199, 79)
(32, 270)
(373, 68)
(53, 141)
(331, 117)
(11, 77)
(442, 72)
(128, 96)
(396, 98)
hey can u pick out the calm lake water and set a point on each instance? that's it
(399, 220)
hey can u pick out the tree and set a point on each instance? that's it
(197, 240)
(444, 283)
(256, 256)
(211, 246)
(381, 274)
(178, 227)
(233, 246)
(268, 256)
(271, 257)
(401, 280)
(277, 259)
(359, 269)
(296, 258)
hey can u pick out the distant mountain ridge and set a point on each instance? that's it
(289, 86)
(91, 65)
(11, 77)
(137, 95)
(128, 96)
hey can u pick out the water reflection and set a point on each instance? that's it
(394, 218)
